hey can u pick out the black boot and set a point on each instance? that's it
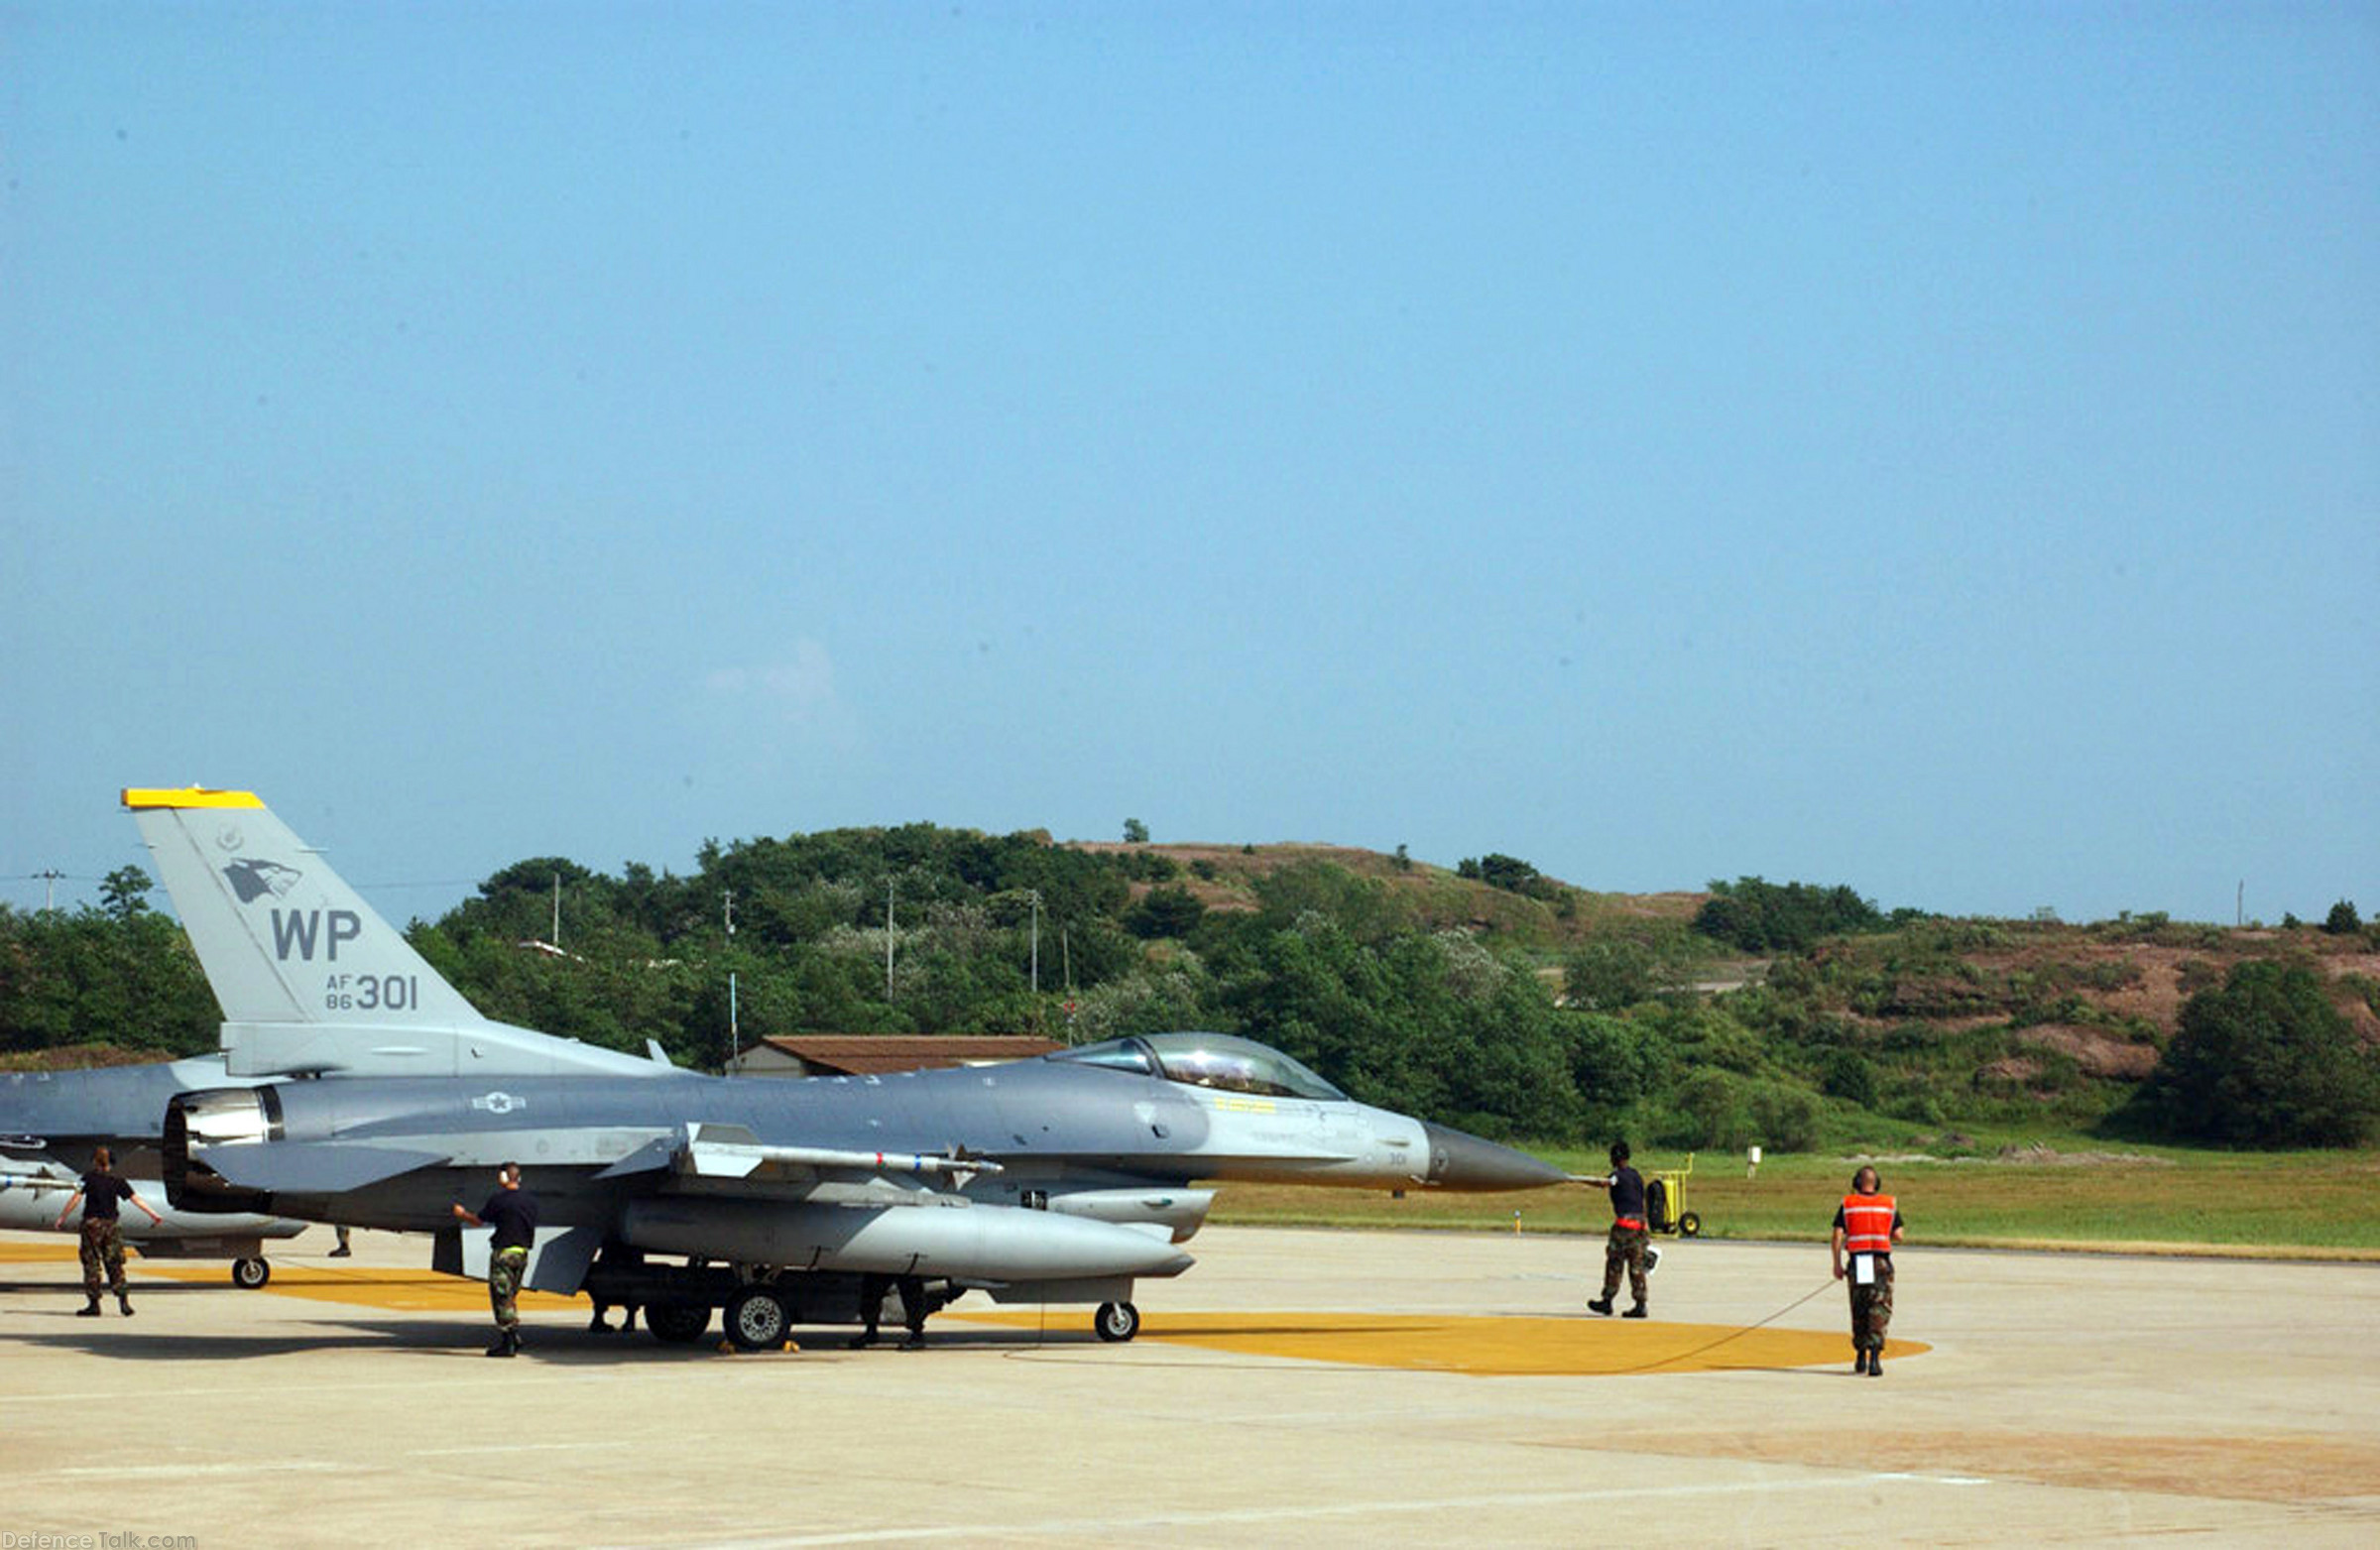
(1638, 1312)
(1601, 1305)
(89, 1310)
(504, 1345)
(1859, 1359)
(124, 1304)
(1875, 1363)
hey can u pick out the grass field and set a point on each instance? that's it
(2068, 1191)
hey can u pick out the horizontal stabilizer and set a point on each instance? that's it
(313, 1167)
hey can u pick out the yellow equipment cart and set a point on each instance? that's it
(1665, 1202)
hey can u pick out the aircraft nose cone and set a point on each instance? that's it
(1463, 1161)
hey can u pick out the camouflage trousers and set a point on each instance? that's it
(102, 1249)
(1871, 1306)
(504, 1270)
(1626, 1247)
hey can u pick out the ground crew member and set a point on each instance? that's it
(873, 1288)
(102, 1195)
(615, 1257)
(1866, 1227)
(1630, 1234)
(512, 1212)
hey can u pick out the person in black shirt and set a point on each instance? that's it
(512, 1212)
(1629, 1235)
(102, 1195)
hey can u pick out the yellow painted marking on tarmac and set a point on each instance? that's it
(370, 1286)
(1494, 1347)
(1484, 1347)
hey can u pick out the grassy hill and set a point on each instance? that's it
(1941, 1023)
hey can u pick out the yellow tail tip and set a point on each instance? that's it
(139, 799)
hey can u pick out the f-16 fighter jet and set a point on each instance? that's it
(1058, 1180)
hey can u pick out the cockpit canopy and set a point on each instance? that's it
(1218, 1060)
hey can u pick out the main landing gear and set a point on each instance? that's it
(756, 1319)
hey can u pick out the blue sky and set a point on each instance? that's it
(1931, 448)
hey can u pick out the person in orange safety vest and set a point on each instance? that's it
(1866, 1229)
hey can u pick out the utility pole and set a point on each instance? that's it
(557, 909)
(1036, 942)
(50, 894)
(734, 1041)
(888, 940)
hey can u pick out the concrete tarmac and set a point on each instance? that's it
(2039, 1398)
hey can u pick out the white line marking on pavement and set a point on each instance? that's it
(1056, 1527)
(174, 1471)
(516, 1447)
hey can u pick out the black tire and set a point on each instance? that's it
(755, 1319)
(1689, 1226)
(250, 1273)
(1116, 1321)
(678, 1323)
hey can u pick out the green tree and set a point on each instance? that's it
(123, 893)
(1134, 832)
(2265, 1061)
(1611, 976)
(1847, 1075)
(1172, 910)
(1613, 1063)
(2343, 920)
(1760, 917)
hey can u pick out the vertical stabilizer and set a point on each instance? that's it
(282, 937)
(311, 978)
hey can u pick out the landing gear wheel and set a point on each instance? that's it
(250, 1273)
(1117, 1321)
(1689, 1226)
(755, 1319)
(678, 1323)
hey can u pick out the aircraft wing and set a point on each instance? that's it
(314, 1168)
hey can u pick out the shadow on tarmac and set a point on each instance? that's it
(60, 1327)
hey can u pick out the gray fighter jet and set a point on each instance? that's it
(1060, 1180)
(52, 1121)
